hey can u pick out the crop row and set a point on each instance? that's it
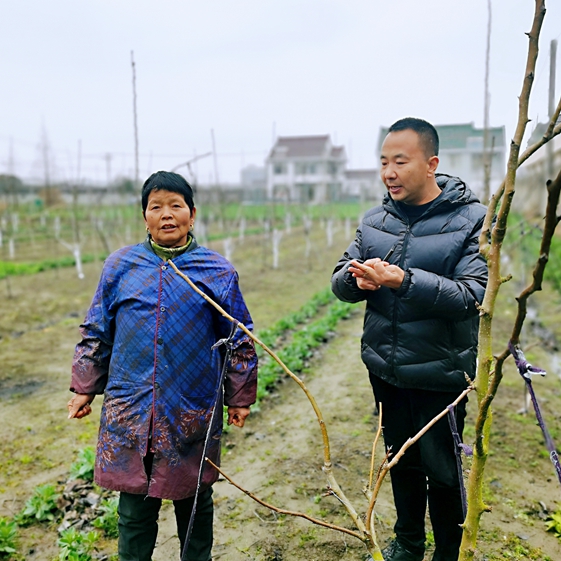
(12, 269)
(299, 350)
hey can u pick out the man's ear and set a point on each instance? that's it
(432, 165)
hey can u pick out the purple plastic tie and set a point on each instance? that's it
(458, 449)
(526, 370)
(215, 417)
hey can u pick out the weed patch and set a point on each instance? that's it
(108, 522)
(77, 546)
(8, 537)
(83, 467)
(41, 506)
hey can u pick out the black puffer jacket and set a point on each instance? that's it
(423, 335)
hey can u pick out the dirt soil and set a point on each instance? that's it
(278, 455)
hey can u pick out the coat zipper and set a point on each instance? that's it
(406, 237)
(394, 319)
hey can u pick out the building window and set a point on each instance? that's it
(306, 192)
(334, 192)
(454, 161)
(279, 169)
(474, 143)
(477, 162)
(497, 163)
(304, 168)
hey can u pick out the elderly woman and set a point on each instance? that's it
(147, 346)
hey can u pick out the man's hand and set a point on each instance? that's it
(237, 416)
(375, 273)
(80, 405)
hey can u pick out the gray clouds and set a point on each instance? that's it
(309, 66)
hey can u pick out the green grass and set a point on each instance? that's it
(295, 354)
(83, 467)
(41, 506)
(8, 537)
(14, 268)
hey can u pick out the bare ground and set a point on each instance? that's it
(279, 453)
(278, 456)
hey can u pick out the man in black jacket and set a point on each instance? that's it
(416, 262)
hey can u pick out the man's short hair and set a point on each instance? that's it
(427, 133)
(167, 181)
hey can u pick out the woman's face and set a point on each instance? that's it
(168, 218)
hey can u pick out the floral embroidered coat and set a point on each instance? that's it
(146, 345)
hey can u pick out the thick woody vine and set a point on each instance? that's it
(489, 372)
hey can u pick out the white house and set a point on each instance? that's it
(532, 176)
(363, 185)
(305, 169)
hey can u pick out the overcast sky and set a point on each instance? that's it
(248, 69)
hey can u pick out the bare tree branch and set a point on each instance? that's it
(404, 448)
(357, 535)
(551, 221)
(374, 444)
(490, 247)
(553, 130)
(327, 465)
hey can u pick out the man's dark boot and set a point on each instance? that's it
(443, 557)
(396, 552)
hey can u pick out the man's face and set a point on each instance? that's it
(405, 169)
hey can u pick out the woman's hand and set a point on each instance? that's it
(237, 416)
(80, 405)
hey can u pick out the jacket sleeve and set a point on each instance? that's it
(456, 297)
(240, 384)
(343, 284)
(90, 365)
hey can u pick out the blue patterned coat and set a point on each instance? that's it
(146, 345)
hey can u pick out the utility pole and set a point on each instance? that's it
(75, 219)
(12, 195)
(551, 104)
(487, 152)
(46, 166)
(136, 172)
(214, 158)
(220, 192)
(108, 157)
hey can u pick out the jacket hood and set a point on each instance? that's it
(454, 189)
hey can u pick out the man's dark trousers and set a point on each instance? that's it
(427, 470)
(138, 526)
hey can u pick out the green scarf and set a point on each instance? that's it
(170, 252)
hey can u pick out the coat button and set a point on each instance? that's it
(162, 309)
(159, 340)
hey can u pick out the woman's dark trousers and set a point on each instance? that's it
(427, 471)
(138, 526)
